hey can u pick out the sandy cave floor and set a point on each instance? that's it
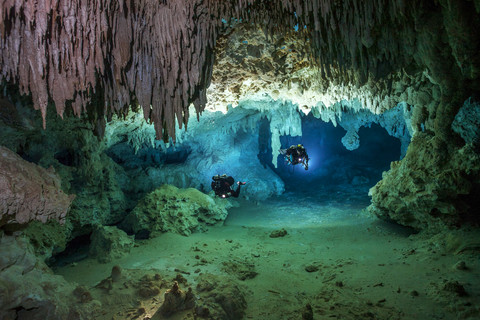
(358, 267)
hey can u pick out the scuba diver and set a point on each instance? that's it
(222, 185)
(296, 154)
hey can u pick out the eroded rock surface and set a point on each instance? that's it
(354, 40)
(28, 290)
(47, 239)
(222, 298)
(169, 209)
(467, 122)
(214, 144)
(251, 65)
(81, 166)
(29, 192)
(176, 299)
(242, 270)
(430, 187)
(108, 243)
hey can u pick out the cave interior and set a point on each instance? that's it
(115, 117)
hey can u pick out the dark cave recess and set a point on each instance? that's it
(125, 155)
(76, 250)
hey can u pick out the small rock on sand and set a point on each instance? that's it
(278, 233)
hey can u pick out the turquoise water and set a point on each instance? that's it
(300, 210)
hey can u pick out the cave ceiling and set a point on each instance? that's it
(99, 57)
(252, 66)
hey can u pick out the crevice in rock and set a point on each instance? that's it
(76, 250)
(66, 157)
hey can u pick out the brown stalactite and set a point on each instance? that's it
(159, 53)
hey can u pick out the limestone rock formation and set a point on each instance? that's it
(251, 65)
(81, 165)
(29, 192)
(70, 71)
(177, 300)
(169, 209)
(467, 122)
(28, 290)
(222, 298)
(420, 192)
(396, 121)
(47, 239)
(351, 140)
(108, 243)
(97, 58)
(322, 51)
(358, 36)
(242, 270)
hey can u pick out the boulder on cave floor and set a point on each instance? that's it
(28, 288)
(108, 243)
(177, 300)
(220, 298)
(170, 209)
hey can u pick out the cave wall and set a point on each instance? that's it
(218, 143)
(437, 183)
(65, 159)
(29, 192)
(30, 292)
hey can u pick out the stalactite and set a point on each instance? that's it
(156, 53)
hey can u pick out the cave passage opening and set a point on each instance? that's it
(334, 189)
(333, 170)
(75, 251)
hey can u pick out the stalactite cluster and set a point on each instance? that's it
(150, 52)
(159, 54)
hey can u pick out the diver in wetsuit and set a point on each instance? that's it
(296, 154)
(222, 185)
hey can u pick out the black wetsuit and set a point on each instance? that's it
(296, 155)
(223, 187)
